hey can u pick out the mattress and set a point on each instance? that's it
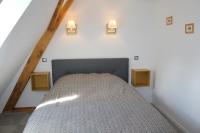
(95, 103)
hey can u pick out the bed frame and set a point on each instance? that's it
(115, 66)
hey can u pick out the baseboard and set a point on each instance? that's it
(22, 109)
(169, 117)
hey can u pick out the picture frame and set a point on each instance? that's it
(169, 20)
(189, 28)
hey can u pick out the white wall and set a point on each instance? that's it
(20, 43)
(10, 12)
(134, 37)
(177, 90)
(177, 55)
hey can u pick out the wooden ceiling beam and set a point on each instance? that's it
(37, 53)
(55, 14)
(62, 12)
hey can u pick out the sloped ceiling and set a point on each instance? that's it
(23, 38)
(11, 11)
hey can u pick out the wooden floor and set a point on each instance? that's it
(13, 122)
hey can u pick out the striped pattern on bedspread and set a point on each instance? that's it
(95, 103)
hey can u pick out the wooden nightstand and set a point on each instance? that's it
(40, 81)
(140, 77)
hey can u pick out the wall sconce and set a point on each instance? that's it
(71, 27)
(111, 27)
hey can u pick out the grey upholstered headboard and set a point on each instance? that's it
(115, 66)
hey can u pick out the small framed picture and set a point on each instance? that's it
(169, 20)
(189, 28)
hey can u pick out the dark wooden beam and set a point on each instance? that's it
(62, 13)
(55, 15)
(37, 53)
(22, 109)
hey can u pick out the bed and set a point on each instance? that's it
(92, 96)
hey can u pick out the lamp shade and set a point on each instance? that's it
(71, 24)
(112, 24)
(71, 27)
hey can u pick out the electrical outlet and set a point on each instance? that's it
(44, 59)
(136, 58)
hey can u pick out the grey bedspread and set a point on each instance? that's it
(95, 103)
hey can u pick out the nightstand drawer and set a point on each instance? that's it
(40, 81)
(140, 77)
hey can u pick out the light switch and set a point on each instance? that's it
(136, 58)
(44, 59)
